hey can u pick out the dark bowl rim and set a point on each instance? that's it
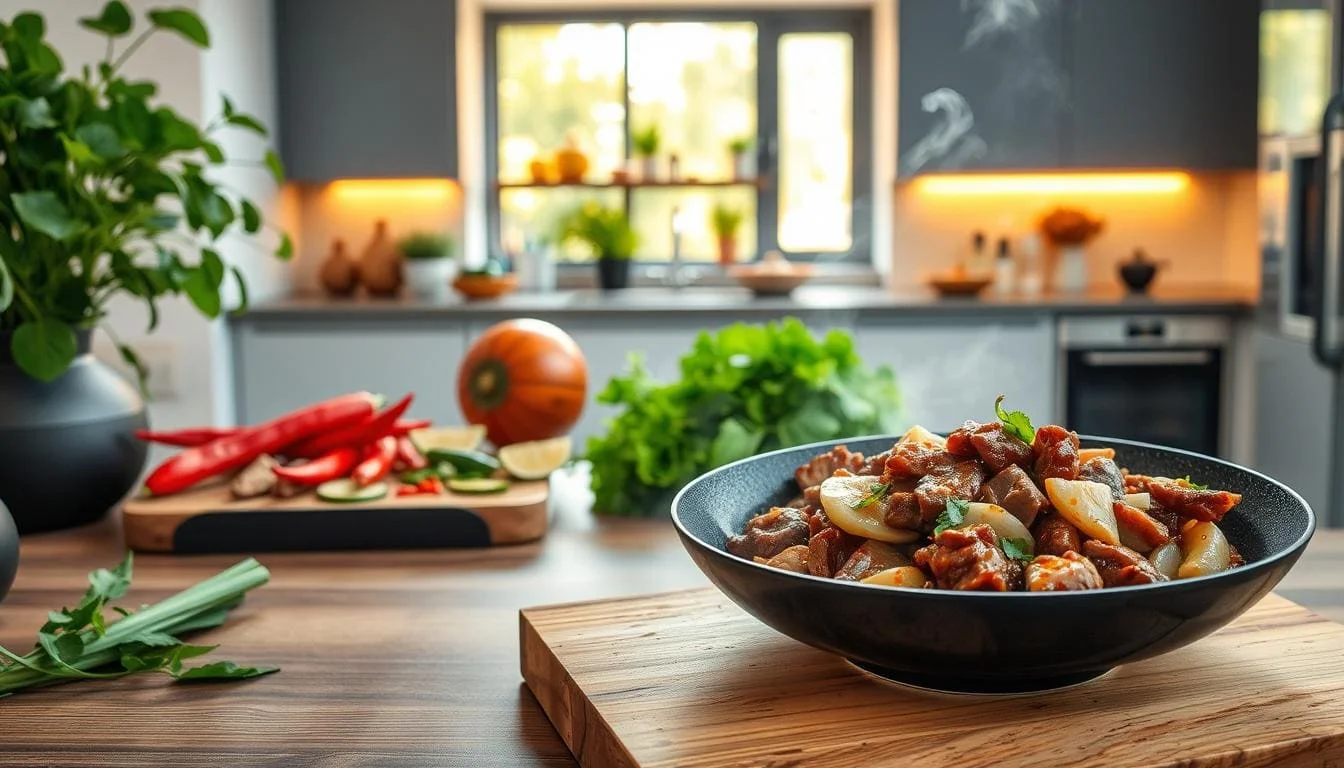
(1095, 594)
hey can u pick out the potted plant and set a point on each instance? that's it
(645, 144)
(740, 150)
(428, 263)
(607, 232)
(725, 222)
(104, 193)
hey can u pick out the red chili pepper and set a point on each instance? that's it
(404, 428)
(187, 438)
(329, 467)
(377, 462)
(205, 461)
(408, 490)
(409, 455)
(354, 434)
(430, 485)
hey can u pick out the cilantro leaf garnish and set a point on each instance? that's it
(1016, 549)
(1015, 423)
(875, 493)
(954, 514)
(1194, 485)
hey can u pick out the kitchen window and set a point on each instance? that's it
(795, 84)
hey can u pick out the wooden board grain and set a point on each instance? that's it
(517, 515)
(687, 679)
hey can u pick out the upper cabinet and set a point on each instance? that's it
(1039, 84)
(368, 88)
(1164, 83)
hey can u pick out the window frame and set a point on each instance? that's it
(770, 26)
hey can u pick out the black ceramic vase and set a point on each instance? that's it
(67, 452)
(613, 274)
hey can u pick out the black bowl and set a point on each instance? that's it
(992, 642)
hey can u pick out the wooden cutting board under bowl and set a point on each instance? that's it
(688, 680)
(208, 519)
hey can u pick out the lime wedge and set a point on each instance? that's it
(448, 438)
(536, 460)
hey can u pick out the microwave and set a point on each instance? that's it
(1291, 204)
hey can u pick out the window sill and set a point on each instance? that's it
(577, 276)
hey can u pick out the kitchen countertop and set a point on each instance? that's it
(738, 302)
(388, 658)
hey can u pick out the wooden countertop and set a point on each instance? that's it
(388, 658)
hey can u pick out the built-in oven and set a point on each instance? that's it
(1290, 210)
(1157, 379)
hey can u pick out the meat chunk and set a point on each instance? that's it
(1121, 566)
(970, 559)
(1055, 453)
(875, 465)
(916, 460)
(871, 557)
(1105, 471)
(825, 465)
(1138, 529)
(792, 559)
(1069, 572)
(991, 444)
(959, 440)
(768, 534)
(1014, 490)
(900, 508)
(1054, 535)
(829, 550)
(959, 481)
(1175, 496)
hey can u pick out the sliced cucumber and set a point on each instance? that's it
(466, 464)
(345, 491)
(478, 485)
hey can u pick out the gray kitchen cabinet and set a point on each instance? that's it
(280, 366)
(981, 86)
(1293, 444)
(367, 88)
(1163, 83)
(953, 370)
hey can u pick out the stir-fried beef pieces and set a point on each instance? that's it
(899, 507)
(1121, 566)
(1062, 573)
(771, 533)
(1104, 471)
(1143, 526)
(959, 481)
(970, 559)
(915, 460)
(1199, 504)
(792, 559)
(991, 444)
(871, 557)
(830, 550)
(1054, 535)
(825, 465)
(1014, 490)
(1056, 453)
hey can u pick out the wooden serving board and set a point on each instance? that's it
(688, 680)
(208, 519)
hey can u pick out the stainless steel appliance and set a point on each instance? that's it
(1299, 336)
(1153, 378)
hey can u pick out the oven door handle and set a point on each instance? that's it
(1147, 358)
(1326, 341)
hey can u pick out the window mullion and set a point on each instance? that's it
(767, 139)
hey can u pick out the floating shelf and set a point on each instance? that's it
(628, 184)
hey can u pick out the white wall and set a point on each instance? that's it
(192, 352)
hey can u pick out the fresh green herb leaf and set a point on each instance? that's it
(45, 213)
(222, 670)
(417, 476)
(182, 21)
(43, 348)
(111, 583)
(1015, 423)
(875, 493)
(1194, 485)
(953, 515)
(1016, 549)
(114, 21)
(273, 164)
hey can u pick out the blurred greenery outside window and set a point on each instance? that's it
(790, 82)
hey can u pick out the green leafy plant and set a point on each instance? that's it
(741, 144)
(606, 231)
(103, 191)
(742, 391)
(424, 246)
(1015, 423)
(645, 142)
(725, 220)
(80, 643)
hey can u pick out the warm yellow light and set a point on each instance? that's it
(1138, 183)
(393, 189)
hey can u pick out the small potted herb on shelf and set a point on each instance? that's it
(428, 263)
(645, 144)
(726, 221)
(607, 232)
(488, 281)
(740, 150)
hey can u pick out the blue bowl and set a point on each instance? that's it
(978, 642)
